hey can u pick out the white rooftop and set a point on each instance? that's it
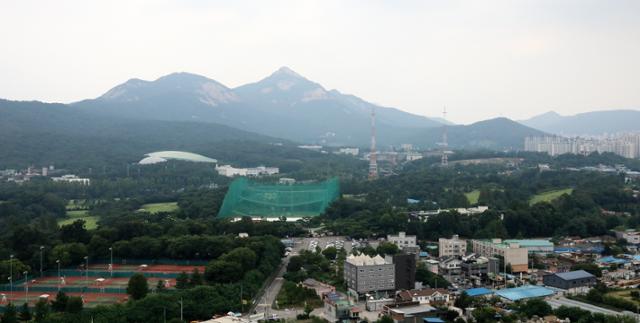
(363, 260)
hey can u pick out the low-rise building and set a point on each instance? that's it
(573, 281)
(479, 292)
(631, 236)
(365, 274)
(478, 268)
(451, 266)
(72, 179)
(523, 293)
(512, 253)
(402, 240)
(409, 313)
(539, 246)
(432, 265)
(229, 171)
(349, 151)
(454, 247)
(426, 296)
(338, 309)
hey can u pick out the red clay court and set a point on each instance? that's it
(149, 268)
(93, 282)
(90, 299)
(114, 288)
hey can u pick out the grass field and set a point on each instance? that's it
(549, 196)
(154, 208)
(624, 294)
(77, 205)
(473, 196)
(91, 222)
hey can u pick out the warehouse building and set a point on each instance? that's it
(523, 293)
(573, 281)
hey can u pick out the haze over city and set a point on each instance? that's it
(482, 60)
(320, 161)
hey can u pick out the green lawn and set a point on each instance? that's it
(154, 208)
(473, 196)
(91, 222)
(549, 196)
(77, 205)
(78, 213)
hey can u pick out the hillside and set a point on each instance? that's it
(589, 123)
(495, 134)
(284, 105)
(40, 133)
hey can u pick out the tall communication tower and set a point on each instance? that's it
(373, 163)
(444, 144)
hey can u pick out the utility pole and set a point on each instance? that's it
(26, 286)
(11, 273)
(59, 277)
(87, 268)
(41, 256)
(111, 263)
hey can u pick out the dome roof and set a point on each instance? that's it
(163, 156)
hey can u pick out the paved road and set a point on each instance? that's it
(559, 301)
(266, 300)
(268, 297)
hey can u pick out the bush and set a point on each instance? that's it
(138, 286)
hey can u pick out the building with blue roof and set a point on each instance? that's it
(432, 320)
(611, 260)
(481, 291)
(587, 249)
(532, 245)
(524, 292)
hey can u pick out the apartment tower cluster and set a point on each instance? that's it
(626, 145)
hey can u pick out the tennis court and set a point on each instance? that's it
(90, 299)
(92, 282)
(101, 287)
(157, 268)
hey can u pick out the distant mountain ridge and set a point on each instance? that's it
(182, 107)
(33, 132)
(284, 104)
(588, 123)
(494, 134)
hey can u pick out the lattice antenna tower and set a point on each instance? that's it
(373, 162)
(445, 160)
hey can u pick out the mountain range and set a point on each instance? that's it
(184, 111)
(588, 123)
(284, 105)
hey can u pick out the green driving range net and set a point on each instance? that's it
(254, 199)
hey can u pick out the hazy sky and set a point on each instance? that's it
(481, 59)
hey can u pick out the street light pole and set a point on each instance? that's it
(111, 262)
(26, 286)
(11, 274)
(181, 310)
(59, 277)
(87, 267)
(41, 256)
